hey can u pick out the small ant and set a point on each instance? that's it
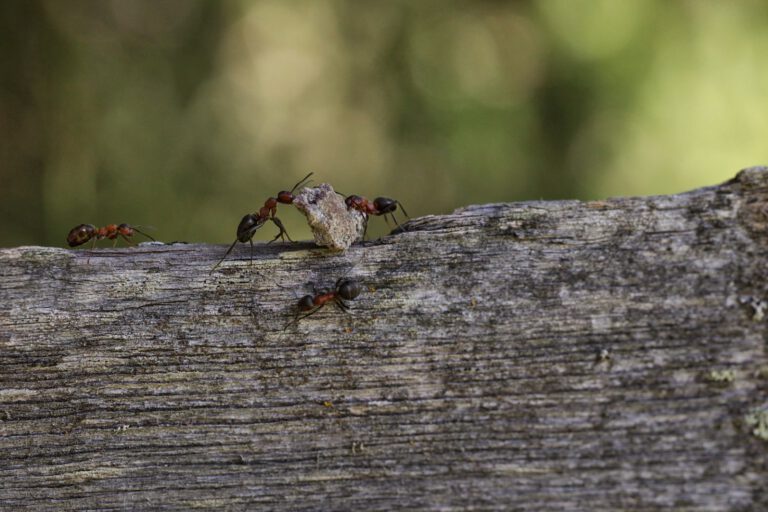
(379, 206)
(84, 232)
(344, 289)
(250, 223)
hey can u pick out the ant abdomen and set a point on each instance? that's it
(348, 289)
(248, 225)
(385, 205)
(306, 303)
(80, 234)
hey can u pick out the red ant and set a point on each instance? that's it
(379, 206)
(84, 232)
(247, 229)
(253, 221)
(344, 289)
(283, 197)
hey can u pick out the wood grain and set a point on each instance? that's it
(563, 355)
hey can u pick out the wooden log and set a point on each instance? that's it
(561, 355)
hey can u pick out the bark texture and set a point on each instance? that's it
(608, 355)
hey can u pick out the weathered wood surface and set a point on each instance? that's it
(562, 355)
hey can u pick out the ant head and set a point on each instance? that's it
(248, 226)
(354, 201)
(125, 229)
(81, 234)
(348, 289)
(306, 303)
(385, 204)
(286, 196)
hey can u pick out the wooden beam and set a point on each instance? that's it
(560, 355)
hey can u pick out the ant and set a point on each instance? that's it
(283, 197)
(344, 289)
(379, 206)
(250, 223)
(247, 229)
(84, 232)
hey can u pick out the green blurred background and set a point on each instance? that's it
(187, 114)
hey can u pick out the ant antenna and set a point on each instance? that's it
(302, 182)
(143, 233)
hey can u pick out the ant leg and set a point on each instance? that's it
(93, 246)
(404, 212)
(298, 318)
(279, 235)
(282, 232)
(399, 227)
(295, 320)
(126, 241)
(342, 306)
(224, 257)
(350, 269)
(250, 240)
(279, 224)
(276, 237)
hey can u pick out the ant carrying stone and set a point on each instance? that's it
(379, 206)
(283, 197)
(250, 223)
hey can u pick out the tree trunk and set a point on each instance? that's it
(558, 355)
